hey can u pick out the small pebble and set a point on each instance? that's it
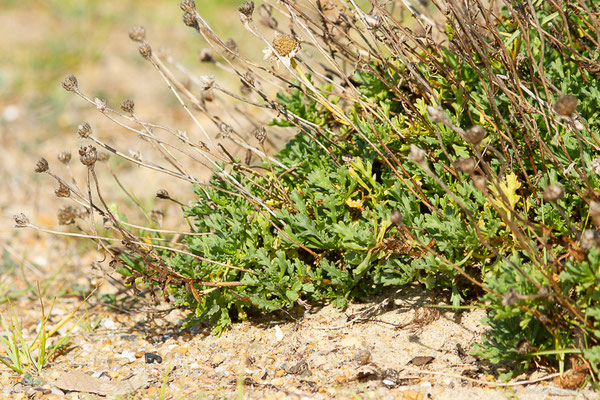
(114, 374)
(151, 358)
(140, 354)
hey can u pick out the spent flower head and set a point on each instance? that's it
(41, 165)
(137, 34)
(284, 48)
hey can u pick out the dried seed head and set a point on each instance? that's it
(100, 104)
(474, 135)
(187, 5)
(396, 218)
(232, 45)
(286, 45)
(137, 34)
(88, 155)
(589, 238)
(62, 190)
(260, 134)
(246, 10)
(480, 183)
(190, 20)
(128, 106)
(84, 130)
(347, 160)
(21, 220)
(145, 50)
(70, 83)
(566, 105)
(103, 156)
(64, 157)
(466, 165)
(553, 193)
(162, 194)
(67, 215)
(205, 56)
(416, 155)
(225, 130)
(595, 165)
(437, 114)
(41, 165)
(595, 208)
(157, 216)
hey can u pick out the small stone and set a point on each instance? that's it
(217, 360)
(362, 356)
(279, 373)
(152, 358)
(412, 395)
(114, 374)
(340, 379)
(140, 354)
(181, 350)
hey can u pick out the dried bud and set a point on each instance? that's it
(372, 21)
(595, 208)
(190, 20)
(67, 215)
(246, 10)
(466, 165)
(128, 106)
(208, 95)
(64, 157)
(41, 165)
(21, 220)
(474, 135)
(84, 130)
(70, 83)
(145, 50)
(595, 164)
(589, 238)
(62, 190)
(286, 45)
(416, 155)
(187, 5)
(88, 155)
(206, 82)
(437, 114)
(260, 134)
(137, 34)
(553, 192)
(510, 297)
(595, 212)
(396, 218)
(100, 104)
(347, 160)
(480, 183)
(163, 194)
(226, 130)
(103, 156)
(566, 105)
(232, 45)
(205, 56)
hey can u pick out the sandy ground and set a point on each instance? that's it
(395, 346)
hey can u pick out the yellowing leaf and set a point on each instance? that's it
(509, 188)
(355, 203)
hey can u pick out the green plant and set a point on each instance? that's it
(22, 354)
(464, 158)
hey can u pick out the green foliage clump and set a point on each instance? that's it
(469, 164)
